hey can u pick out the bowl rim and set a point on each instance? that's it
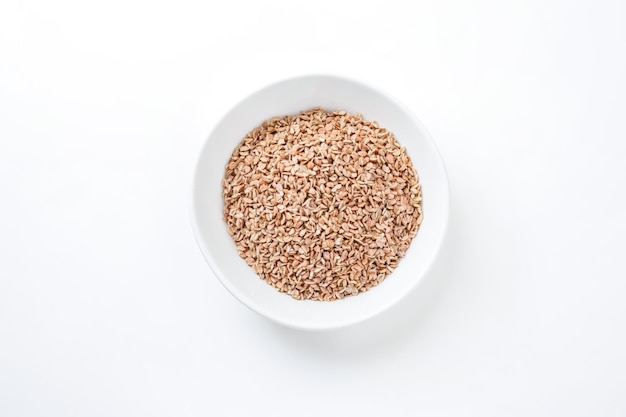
(258, 307)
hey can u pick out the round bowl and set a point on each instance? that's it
(290, 97)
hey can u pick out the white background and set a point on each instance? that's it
(107, 307)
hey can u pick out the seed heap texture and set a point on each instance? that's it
(322, 205)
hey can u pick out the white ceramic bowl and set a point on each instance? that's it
(290, 97)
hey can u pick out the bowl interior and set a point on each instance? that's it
(291, 97)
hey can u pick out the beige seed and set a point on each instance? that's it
(322, 205)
